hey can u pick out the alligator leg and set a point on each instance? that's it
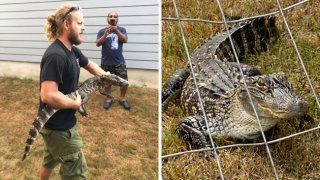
(173, 86)
(84, 99)
(82, 109)
(194, 131)
(305, 121)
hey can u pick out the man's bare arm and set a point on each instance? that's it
(100, 41)
(94, 69)
(51, 96)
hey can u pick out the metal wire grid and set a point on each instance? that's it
(197, 88)
(266, 143)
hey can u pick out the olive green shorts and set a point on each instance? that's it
(64, 147)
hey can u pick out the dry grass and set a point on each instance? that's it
(118, 144)
(296, 158)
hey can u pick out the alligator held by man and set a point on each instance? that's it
(222, 89)
(85, 90)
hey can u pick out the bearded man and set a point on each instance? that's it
(111, 38)
(59, 75)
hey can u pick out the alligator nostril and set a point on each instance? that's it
(302, 106)
(299, 107)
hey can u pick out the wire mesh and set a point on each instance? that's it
(198, 93)
(238, 20)
(265, 142)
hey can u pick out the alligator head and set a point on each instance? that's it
(273, 97)
(106, 80)
(111, 79)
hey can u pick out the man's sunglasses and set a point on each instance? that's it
(73, 8)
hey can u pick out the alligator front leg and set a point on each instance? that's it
(173, 86)
(84, 100)
(82, 109)
(194, 132)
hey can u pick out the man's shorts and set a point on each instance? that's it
(119, 70)
(64, 147)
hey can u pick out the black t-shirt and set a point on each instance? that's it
(62, 66)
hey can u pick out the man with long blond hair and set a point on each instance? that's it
(59, 75)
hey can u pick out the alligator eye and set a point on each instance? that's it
(281, 77)
(261, 82)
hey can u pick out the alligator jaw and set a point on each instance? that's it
(295, 109)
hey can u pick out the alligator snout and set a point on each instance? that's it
(300, 107)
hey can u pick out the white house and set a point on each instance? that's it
(22, 39)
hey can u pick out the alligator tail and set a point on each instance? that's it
(248, 38)
(37, 125)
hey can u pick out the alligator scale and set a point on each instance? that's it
(222, 90)
(85, 89)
